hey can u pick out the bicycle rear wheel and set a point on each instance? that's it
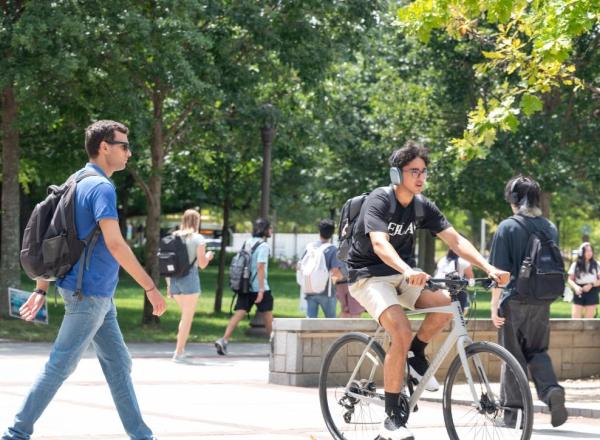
(353, 407)
(500, 412)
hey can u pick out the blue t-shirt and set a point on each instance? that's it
(95, 199)
(260, 255)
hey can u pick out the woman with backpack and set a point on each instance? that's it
(186, 289)
(584, 279)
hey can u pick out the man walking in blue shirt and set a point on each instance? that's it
(90, 316)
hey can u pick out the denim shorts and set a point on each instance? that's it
(187, 284)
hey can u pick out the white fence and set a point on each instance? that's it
(287, 246)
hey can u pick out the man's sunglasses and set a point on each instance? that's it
(126, 146)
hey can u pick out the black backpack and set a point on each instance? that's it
(239, 270)
(350, 213)
(173, 260)
(50, 245)
(542, 273)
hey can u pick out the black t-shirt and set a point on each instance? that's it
(373, 217)
(509, 245)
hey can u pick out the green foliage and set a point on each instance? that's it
(528, 50)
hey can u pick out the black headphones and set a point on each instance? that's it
(513, 195)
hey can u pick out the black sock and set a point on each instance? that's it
(418, 347)
(391, 402)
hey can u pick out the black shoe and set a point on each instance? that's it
(556, 403)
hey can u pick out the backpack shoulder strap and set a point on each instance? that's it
(392, 198)
(523, 223)
(87, 173)
(256, 245)
(419, 206)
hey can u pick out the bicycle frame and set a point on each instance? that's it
(458, 336)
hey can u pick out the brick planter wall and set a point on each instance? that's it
(298, 345)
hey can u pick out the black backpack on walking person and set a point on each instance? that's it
(350, 213)
(50, 245)
(542, 272)
(173, 260)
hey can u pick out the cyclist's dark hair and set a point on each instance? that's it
(101, 131)
(260, 227)
(523, 191)
(580, 264)
(326, 228)
(410, 151)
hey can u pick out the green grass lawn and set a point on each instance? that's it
(207, 326)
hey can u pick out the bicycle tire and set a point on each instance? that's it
(348, 418)
(498, 415)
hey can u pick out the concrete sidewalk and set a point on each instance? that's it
(208, 397)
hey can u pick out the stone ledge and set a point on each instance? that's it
(299, 344)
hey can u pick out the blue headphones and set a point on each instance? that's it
(395, 176)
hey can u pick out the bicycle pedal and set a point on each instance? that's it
(416, 408)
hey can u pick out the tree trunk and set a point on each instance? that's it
(224, 239)
(545, 200)
(267, 135)
(153, 199)
(10, 270)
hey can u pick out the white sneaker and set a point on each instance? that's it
(179, 358)
(391, 430)
(221, 346)
(421, 363)
(431, 385)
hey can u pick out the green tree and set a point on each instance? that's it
(528, 50)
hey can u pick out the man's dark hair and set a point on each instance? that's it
(326, 228)
(101, 131)
(410, 151)
(260, 227)
(522, 191)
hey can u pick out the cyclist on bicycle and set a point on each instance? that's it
(384, 279)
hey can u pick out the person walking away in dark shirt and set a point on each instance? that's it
(524, 325)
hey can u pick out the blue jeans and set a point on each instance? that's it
(327, 303)
(91, 319)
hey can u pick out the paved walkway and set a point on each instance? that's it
(213, 397)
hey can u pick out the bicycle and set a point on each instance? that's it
(474, 405)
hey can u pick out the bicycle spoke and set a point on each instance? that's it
(355, 414)
(499, 411)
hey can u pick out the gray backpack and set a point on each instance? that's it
(50, 245)
(239, 271)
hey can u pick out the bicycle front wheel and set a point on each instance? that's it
(503, 408)
(352, 399)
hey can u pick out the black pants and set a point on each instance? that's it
(526, 334)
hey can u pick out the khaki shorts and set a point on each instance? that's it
(378, 293)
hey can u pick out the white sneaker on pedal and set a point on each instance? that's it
(392, 430)
(421, 364)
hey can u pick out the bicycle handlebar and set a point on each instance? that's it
(456, 284)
